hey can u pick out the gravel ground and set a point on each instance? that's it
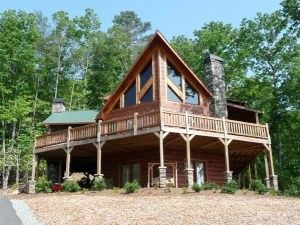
(24, 212)
(157, 207)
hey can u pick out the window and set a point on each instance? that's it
(174, 76)
(145, 75)
(191, 95)
(200, 172)
(130, 172)
(172, 96)
(130, 96)
(148, 96)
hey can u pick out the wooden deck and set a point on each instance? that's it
(148, 123)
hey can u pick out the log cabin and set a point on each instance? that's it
(162, 125)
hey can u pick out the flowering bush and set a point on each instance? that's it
(56, 187)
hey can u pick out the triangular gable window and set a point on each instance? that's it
(148, 96)
(172, 96)
(191, 95)
(174, 76)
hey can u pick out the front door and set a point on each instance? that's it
(130, 172)
(200, 173)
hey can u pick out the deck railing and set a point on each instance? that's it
(154, 119)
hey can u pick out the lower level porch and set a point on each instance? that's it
(159, 158)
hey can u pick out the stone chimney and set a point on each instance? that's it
(58, 105)
(215, 81)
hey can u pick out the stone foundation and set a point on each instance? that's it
(162, 176)
(189, 177)
(31, 187)
(228, 176)
(274, 182)
(267, 180)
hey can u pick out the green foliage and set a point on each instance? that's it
(258, 186)
(99, 184)
(131, 187)
(210, 186)
(43, 185)
(71, 186)
(185, 190)
(196, 187)
(293, 189)
(230, 187)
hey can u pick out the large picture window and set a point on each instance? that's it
(191, 95)
(174, 76)
(130, 96)
(145, 75)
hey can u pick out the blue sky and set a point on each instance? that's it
(171, 17)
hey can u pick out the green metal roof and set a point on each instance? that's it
(72, 117)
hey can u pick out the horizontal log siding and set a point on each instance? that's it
(214, 164)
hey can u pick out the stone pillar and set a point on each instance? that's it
(99, 158)
(274, 182)
(162, 169)
(189, 177)
(162, 176)
(228, 176)
(215, 81)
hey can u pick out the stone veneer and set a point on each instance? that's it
(215, 81)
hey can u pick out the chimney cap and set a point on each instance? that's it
(58, 100)
(212, 57)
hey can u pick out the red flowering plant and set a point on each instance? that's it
(56, 187)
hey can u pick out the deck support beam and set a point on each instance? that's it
(99, 146)
(68, 151)
(267, 179)
(272, 177)
(228, 173)
(189, 170)
(162, 168)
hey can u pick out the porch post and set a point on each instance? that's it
(273, 177)
(189, 169)
(99, 158)
(68, 161)
(267, 179)
(255, 170)
(162, 169)
(228, 173)
(60, 171)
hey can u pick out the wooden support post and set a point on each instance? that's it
(99, 146)
(267, 179)
(99, 131)
(162, 168)
(249, 172)
(37, 167)
(255, 169)
(60, 175)
(135, 123)
(69, 136)
(68, 161)
(226, 142)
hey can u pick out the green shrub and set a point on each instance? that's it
(230, 187)
(43, 185)
(99, 184)
(258, 187)
(196, 187)
(131, 187)
(293, 189)
(71, 186)
(209, 186)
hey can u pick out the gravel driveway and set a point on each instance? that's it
(164, 208)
